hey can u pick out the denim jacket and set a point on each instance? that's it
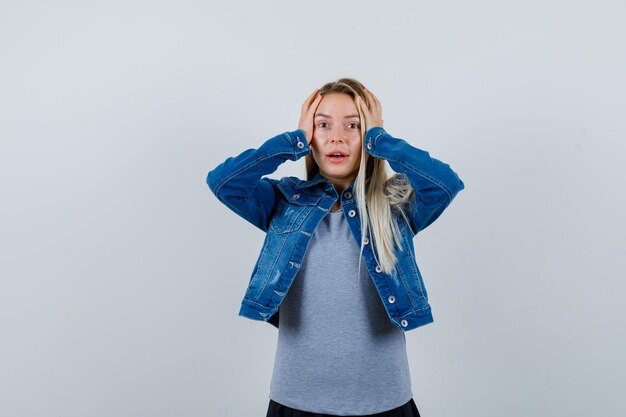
(290, 209)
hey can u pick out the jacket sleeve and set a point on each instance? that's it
(434, 182)
(238, 181)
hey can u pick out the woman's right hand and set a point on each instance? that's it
(307, 114)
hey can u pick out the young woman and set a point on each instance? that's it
(337, 273)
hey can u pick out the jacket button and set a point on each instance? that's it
(348, 195)
(369, 145)
(404, 323)
(300, 144)
(352, 213)
(296, 196)
(391, 299)
(366, 241)
(379, 268)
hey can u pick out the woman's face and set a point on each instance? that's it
(336, 142)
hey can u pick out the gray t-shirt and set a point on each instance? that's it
(337, 352)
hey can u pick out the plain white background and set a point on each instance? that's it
(121, 275)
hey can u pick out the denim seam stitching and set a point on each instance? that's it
(280, 250)
(246, 167)
(406, 290)
(263, 252)
(248, 300)
(413, 268)
(416, 171)
(415, 310)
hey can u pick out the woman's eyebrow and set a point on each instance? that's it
(330, 117)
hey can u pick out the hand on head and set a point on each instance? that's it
(307, 114)
(373, 116)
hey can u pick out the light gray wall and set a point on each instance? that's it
(121, 275)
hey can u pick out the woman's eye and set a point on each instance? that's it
(322, 124)
(353, 125)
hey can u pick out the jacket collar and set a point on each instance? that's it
(317, 179)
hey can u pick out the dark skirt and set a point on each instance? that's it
(278, 410)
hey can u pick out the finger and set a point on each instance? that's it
(368, 99)
(313, 95)
(373, 98)
(310, 111)
(315, 102)
(307, 103)
(370, 93)
(313, 106)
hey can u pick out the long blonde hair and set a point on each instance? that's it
(377, 195)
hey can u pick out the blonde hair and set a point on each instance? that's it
(377, 195)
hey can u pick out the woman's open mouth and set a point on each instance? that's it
(336, 157)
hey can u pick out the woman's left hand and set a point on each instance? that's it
(374, 115)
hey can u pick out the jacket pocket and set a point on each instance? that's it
(291, 214)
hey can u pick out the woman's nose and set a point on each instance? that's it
(336, 137)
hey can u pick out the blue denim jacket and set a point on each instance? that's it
(290, 209)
